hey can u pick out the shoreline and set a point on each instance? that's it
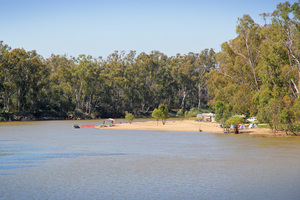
(188, 126)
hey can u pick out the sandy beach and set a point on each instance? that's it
(185, 125)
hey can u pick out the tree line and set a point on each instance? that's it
(87, 87)
(258, 72)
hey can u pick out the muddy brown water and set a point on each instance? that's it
(51, 160)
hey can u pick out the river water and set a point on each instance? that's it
(51, 160)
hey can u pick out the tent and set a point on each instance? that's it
(199, 115)
(252, 125)
(111, 120)
(232, 126)
(108, 122)
(242, 126)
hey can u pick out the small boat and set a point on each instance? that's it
(76, 126)
(88, 126)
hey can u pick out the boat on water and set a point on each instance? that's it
(88, 126)
(76, 126)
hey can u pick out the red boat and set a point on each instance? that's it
(88, 126)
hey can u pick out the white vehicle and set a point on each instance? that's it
(251, 119)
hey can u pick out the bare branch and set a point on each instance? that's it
(296, 88)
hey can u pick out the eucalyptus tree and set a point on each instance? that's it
(91, 82)
(114, 67)
(183, 71)
(25, 77)
(161, 78)
(6, 80)
(17, 59)
(153, 79)
(258, 70)
(61, 93)
(144, 81)
(38, 82)
(130, 94)
(286, 19)
(280, 61)
(237, 80)
(189, 72)
(246, 46)
(206, 63)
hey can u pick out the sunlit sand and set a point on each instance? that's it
(184, 125)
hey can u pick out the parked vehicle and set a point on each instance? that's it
(251, 119)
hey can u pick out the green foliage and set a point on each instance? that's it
(263, 126)
(186, 114)
(157, 114)
(129, 116)
(180, 114)
(222, 112)
(87, 87)
(259, 70)
(236, 121)
(206, 110)
(161, 113)
(286, 119)
(164, 112)
(172, 114)
(193, 112)
(296, 109)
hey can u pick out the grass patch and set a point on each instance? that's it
(263, 126)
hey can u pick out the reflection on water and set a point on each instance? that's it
(51, 160)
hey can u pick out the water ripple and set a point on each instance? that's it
(18, 156)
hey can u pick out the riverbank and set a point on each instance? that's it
(187, 125)
(33, 116)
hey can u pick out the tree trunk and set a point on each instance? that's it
(236, 130)
(143, 106)
(6, 101)
(199, 96)
(295, 86)
(78, 96)
(183, 101)
(19, 99)
(90, 105)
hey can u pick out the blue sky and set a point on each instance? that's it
(98, 28)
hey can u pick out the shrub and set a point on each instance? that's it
(193, 112)
(129, 116)
(180, 114)
(164, 112)
(157, 114)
